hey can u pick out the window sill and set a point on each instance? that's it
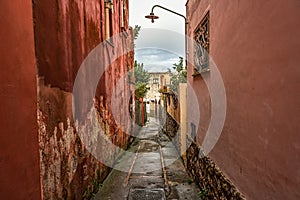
(203, 71)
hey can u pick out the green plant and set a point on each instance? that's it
(136, 31)
(141, 78)
(190, 181)
(203, 194)
(179, 76)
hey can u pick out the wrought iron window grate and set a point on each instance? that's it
(201, 46)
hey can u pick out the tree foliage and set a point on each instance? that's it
(136, 31)
(141, 79)
(178, 76)
(141, 76)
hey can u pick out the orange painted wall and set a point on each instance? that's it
(256, 46)
(66, 32)
(43, 44)
(19, 158)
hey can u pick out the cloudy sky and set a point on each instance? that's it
(160, 43)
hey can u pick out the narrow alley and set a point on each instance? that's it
(157, 171)
(150, 100)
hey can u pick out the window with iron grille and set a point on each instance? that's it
(201, 46)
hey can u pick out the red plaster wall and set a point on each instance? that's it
(256, 46)
(19, 158)
(65, 33)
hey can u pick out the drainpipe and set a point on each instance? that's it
(108, 7)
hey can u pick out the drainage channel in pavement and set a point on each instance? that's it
(155, 173)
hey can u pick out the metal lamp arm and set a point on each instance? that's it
(168, 10)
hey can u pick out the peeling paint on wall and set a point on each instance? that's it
(65, 32)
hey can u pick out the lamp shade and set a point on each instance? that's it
(152, 17)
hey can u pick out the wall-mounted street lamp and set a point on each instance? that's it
(152, 16)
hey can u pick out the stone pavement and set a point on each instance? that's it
(157, 171)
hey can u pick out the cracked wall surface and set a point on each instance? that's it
(65, 33)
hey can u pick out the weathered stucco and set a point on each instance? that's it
(255, 45)
(65, 33)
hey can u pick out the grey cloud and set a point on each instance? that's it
(159, 49)
(167, 40)
(156, 59)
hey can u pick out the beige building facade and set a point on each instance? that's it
(157, 81)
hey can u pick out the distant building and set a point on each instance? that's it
(157, 81)
(153, 97)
